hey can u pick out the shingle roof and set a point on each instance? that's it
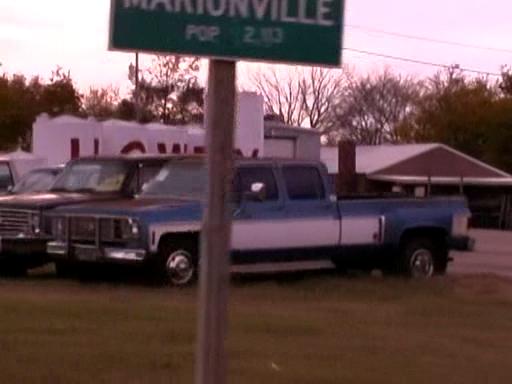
(373, 158)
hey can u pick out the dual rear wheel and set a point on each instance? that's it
(422, 257)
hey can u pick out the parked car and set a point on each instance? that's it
(23, 232)
(37, 180)
(14, 165)
(283, 212)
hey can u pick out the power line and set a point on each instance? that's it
(415, 61)
(428, 39)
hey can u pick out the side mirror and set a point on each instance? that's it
(257, 193)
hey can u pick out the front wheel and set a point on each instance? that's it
(66, 269)
(13, 270)
(178, 265)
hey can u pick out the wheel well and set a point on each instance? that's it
(438, 235)
(190, 239)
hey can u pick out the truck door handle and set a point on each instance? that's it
(240, 214)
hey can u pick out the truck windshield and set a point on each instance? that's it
(39, 180)
(5, 177)
(178, 179)
(92, 176)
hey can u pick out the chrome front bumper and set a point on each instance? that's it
(64, 251)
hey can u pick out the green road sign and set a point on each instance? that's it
(293, 31)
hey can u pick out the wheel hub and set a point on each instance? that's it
(179, 268)
(422, 263)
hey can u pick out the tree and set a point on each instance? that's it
(126, 110)
(189, 105)
(169, 90)
(373, 110)
(22, 101)
(499, 135)
(505, 84)
(101, 103)
(455, 110)
(60, 96)
(299, 97)
(19, 109)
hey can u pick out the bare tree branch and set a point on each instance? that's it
(299, 96)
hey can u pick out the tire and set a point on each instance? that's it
(340, 266)
(13, 270)
(422, 258)
(441, 262)
(65, 269)
(178, 264)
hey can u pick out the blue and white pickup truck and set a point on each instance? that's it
(283, 212)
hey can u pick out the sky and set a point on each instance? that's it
(38, 35)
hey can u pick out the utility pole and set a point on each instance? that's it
(216, 233)
(137, 90)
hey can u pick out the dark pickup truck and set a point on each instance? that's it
(24, 233)
(283, 212)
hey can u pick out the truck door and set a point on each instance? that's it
(312, 220)
(257, 220)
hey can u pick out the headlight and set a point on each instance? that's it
(59, 227)
(35, 223)
(460, 224)
(126, 229)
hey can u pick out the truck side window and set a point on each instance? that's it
(246, 176)
(148, 172)
(143, 174)
(303, 183)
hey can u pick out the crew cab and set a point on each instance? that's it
(283, 212)
(23, 232)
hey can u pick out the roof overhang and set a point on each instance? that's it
(438, 180)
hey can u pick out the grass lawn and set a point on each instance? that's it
(321, 329)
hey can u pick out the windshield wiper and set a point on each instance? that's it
(59, 190)
(85, 190)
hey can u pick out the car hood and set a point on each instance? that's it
(48, 200)
(138, 206)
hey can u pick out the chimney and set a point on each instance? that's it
(346, 182)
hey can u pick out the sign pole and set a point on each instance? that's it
(211, 362)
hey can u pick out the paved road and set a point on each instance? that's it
(493, 254)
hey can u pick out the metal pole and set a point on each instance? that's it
(214, 263)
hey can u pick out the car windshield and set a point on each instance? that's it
(36, 181)
(92, 176)
(5, 177)
(185, 179)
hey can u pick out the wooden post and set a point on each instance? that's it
(211, 362)
(346, 182)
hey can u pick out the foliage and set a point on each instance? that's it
(18, 101)
(60, 96)
(168, 91)
(22, 101)
(101, 103)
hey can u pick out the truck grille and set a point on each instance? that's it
(14, 222)
(83, 228)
